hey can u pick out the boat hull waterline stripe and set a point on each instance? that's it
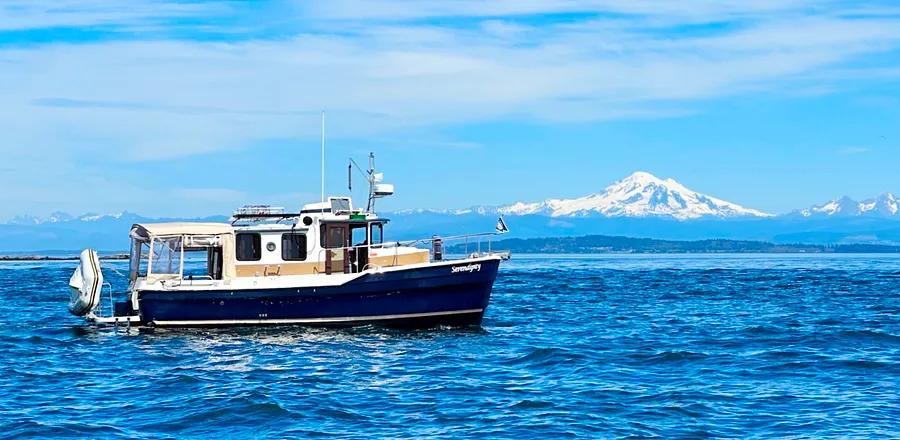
(314, 320)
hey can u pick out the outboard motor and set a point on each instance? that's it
(86, 284)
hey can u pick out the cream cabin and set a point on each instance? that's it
(322, 238)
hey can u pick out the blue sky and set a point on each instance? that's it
(193, 108)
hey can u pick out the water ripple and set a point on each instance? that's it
(572, 346)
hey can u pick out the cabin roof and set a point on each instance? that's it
(147, 230)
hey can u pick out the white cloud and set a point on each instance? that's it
(381, 70)
(163, 99)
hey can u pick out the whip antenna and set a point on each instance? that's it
(323, 161)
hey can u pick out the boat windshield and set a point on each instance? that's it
(166, 256)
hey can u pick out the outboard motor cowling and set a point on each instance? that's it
(86, 284)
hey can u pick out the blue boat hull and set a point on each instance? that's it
(417, 297)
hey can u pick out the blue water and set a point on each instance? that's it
(609, 346)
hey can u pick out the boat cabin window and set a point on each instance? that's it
(377, 233)
(202, 258)
(202, 263)
(166, 256)
(138, 259)
(293, 246)
(248, 246)
(358, 235)
(340, 205)
(335, 237)
(214, 263)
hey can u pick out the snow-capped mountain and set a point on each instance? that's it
(54, 217)
(62, 217)
(885, 205)
(638, 195)
(481, 210)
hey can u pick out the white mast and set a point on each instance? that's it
(323, 161)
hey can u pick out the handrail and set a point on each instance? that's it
(200, 278)
(412, 242)
(396, 245)
(112, 304)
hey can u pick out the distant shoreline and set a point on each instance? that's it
(604, 244)
(60, 258)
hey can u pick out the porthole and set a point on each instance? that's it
(270, 246)
(307, 220)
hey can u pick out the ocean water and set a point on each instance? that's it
(601, 346)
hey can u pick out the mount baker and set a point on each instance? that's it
(639, 195)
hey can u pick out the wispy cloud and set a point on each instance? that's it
(151, 106)
(135, 14)
(205, 96)
(849, 151)
(404, 11)
(382, 69)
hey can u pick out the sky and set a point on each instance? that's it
(170, 108)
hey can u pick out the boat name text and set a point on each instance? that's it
(467, 268)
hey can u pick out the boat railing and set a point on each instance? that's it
(474, 242)
(192, 280)
(112, 304)
(473, 245)
(101, 315)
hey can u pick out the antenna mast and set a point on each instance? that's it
(370, 206)
(377, 189)
(323, 161)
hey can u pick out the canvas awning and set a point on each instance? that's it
(223, 233)
(148, 230)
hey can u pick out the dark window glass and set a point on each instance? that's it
(249, 247)
(377, 233)
(293, 246)
(335, 237)
(214, 263)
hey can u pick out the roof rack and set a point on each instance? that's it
(260, 213)
(247, 210)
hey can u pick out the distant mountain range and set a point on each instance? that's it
(885, 205)
(593, 244)
(643, 205)
(643, 195)
(62, 217)
(640, 205)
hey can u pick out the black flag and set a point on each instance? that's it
(501, 226)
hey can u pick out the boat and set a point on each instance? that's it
(327, 264)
